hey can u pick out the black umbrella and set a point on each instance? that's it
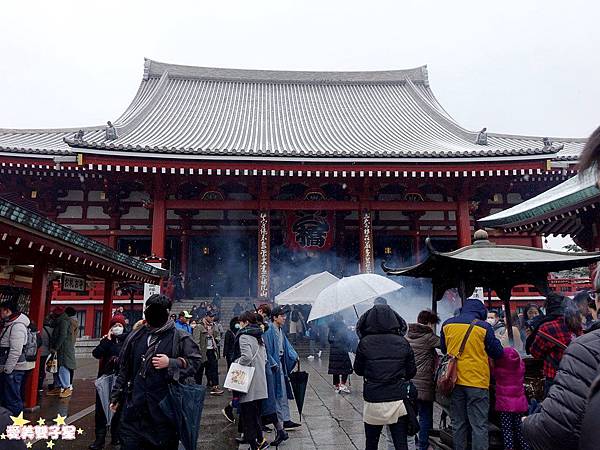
(183, 406)
(299, 381)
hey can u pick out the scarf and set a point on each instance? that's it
(154, 339)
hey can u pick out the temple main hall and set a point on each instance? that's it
(247, 181)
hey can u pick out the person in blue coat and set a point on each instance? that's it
(182, 321)
(281, 360)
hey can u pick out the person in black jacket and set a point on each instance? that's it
(107, 352)
(386, 361)
(229, 352)
(558, 424)
(154, 356)
(339, 360)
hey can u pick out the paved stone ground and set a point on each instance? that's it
(330, 421)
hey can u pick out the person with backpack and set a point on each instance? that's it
(14, 337)
(471, 340)
(153, 357)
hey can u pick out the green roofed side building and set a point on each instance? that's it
(570, 208)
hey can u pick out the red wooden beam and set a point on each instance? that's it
(397, 165)
(292, 205)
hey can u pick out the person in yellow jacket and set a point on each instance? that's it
(470, 398)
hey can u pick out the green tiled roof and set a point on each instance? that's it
(571, 194)
(15, 214)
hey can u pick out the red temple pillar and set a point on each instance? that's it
(367, 264)
(159, 222)
(463, 223)
(115, 224)
(107, 305)
(264, 254)
(37, 312)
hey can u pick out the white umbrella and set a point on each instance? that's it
(306, 291)
(351, 291)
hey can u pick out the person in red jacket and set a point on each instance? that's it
(511, 403)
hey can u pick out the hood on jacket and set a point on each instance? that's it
(510, 359)
(381, 319)
(21, 318)
(418, 330)
(474, 307)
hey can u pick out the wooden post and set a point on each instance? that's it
(159, 222)
(37, 312)
(107, 305)
(365, 243)
(463, 223)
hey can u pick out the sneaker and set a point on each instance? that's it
(319, 354)
(290, 425)
(345, 389)
(310, 357)
(228, 413)
(336, 388)
(53, 391)
(65, 393)
(216, 391)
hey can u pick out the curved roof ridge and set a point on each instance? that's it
(50, 130)
(445, 119)
(154, 69)
(136, 112)
(535, 138)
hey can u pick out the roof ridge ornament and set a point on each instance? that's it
(78, 137)
(482, 137)
(110, 133)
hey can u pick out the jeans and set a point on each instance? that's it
(397, 430)
(470, 407)
(10, 391)
(425, 411)
(64, 377)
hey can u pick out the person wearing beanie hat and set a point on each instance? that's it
(107, 353)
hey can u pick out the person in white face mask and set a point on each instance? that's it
(107, 352)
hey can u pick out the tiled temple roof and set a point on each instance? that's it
(195, 112)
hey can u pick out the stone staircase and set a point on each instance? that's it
(84, 347)
(227, 306)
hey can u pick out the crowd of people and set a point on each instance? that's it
(397, 360)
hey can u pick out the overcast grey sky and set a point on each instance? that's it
(527, 67)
